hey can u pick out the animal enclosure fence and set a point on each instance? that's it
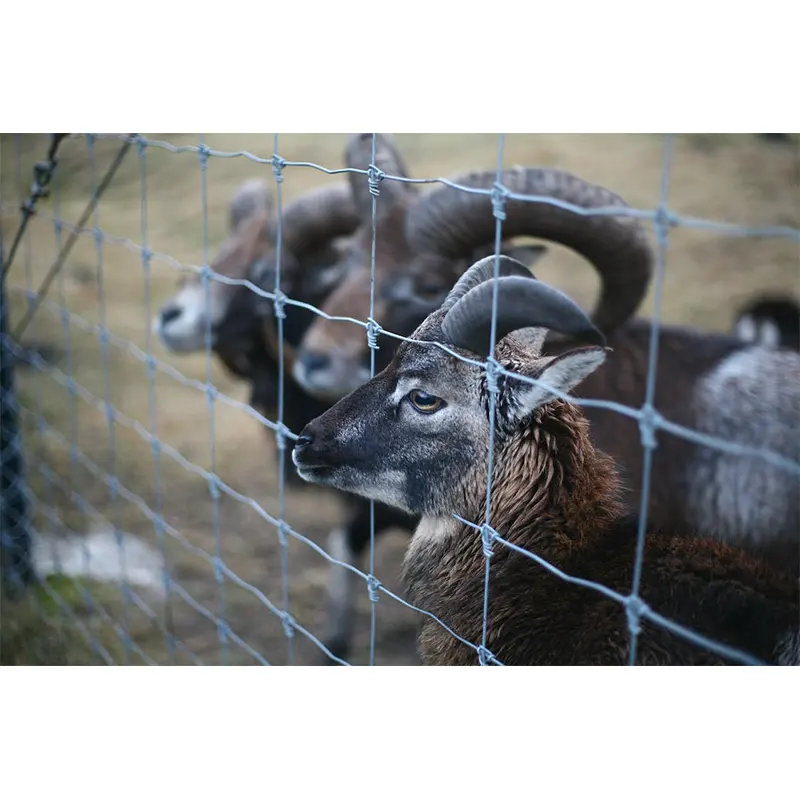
(49, 498)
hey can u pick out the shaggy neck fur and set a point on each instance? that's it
(552, 493)
(556, 496)
(550, 488)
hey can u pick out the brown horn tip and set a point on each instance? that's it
(521, 303)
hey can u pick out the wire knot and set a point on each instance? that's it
(213, 487)
(634, 608)
(282, 527)
(278, 165)
(373, 330)
(488, 534)
(288, 624)
(499, 198)
(279, 305)
(374, 177)
(373, 584)
(665, 219)
(648, 423)
(485, 656)
(203, 153)
(492, 373)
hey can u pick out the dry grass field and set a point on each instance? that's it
(735, 179)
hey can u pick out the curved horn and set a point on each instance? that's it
(451, 222)
(358, 155)
(521, 303)
(250, 198)
(482, 271)
(318, 216)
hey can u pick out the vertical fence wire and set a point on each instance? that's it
(211, 392)
(109, 406)
(498, 208)
(373, 179)
(647, 427)
(152, 416)
(280, 433)
(91, 605)
(27, 250)
(46, 510)
(45, 506)
(648, 419)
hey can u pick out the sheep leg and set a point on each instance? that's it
(349, 545)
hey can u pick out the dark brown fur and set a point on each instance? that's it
(569, 515)
(555, 495)
(683, 357)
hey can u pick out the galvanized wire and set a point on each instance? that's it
(650, 421)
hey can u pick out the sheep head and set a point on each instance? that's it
(444, 232)
(334, 352)
(334, 356)
(417, 435)
(313, 227)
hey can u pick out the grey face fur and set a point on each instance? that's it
(417, 436)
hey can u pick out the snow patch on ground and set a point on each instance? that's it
(99, 556)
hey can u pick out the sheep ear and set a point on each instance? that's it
(562, 372)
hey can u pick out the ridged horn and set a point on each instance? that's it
(482, 271)
(318, 216)
(358, 155)
(450, 223)
(521, 303)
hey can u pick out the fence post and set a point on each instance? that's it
(16, 556)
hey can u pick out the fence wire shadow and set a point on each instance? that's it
(19, 535)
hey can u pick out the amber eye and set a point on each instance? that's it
(424, 403)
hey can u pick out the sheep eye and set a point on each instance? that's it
(424, 403)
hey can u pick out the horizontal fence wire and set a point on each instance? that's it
(112, 345)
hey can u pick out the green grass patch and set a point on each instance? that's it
(52, 624)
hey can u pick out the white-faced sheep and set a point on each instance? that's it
(417, 437)
(244, 333)
(244, 337)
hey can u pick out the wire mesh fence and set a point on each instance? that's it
(205, 551)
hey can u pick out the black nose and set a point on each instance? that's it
(169, 314)
(315, 361)
(303, 440)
